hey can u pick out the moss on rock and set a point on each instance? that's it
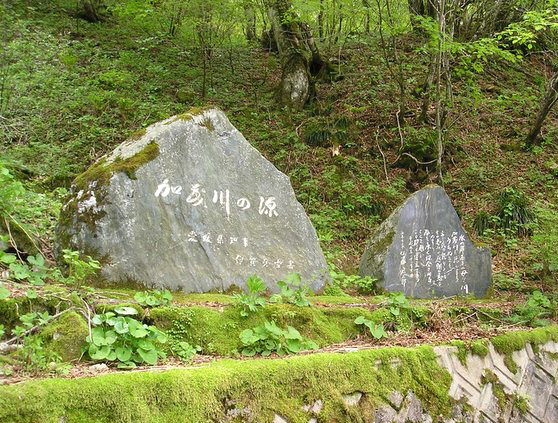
(12, 308)
(102, 171)
(66, 335)
(217, 332)
(264, 387)
(508, 343)
(190, 114)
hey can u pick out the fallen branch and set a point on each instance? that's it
(383, 157)
(34, 328)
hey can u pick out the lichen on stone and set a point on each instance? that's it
(190, 114)
(102, 171)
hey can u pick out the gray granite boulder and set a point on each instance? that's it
(423, 250)
(189, 204)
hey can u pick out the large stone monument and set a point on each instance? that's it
(423, 250)
(189, 204)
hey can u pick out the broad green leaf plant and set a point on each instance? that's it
(154, 298)
(294, 291)
(270, 338)
(251, 300)
(119, 338)
(376, 329)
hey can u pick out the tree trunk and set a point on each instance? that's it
(92, 10)
(416, 7)
(366, 5)
(302, 62)
(250, 15)
(550, 99)
(321, 21)
(422, 8)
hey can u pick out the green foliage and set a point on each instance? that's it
(33, 272)
(526, 33)
(324, 131)
(535, 311)
(154, 298)
(514, 216)
(30, 321)
(475, 56)
(39, 359)
(4, 292)
(544, 241)
(376, 329)
(514, 212)
(11, 192)
(483, 221)
(25, 214)
(402, 316)
(270, 338)
(504, 282)
(178, 333)
(34, 356)
(184, 351)
(217, 331)
(124, 340)
(80, 269)
(419, 143)
(341, 282)
(253, 299)
(397, 302)
(294, 291)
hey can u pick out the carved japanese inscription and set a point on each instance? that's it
(423, 250)
(205, 214)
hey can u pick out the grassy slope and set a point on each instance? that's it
(77, 89)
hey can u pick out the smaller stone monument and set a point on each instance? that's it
(423, 251)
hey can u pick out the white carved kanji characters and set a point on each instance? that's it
(195, 198)
(224, 200)
(268, 206)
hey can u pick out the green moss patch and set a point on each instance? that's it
(497, 388)
(479, 348)
(12, 308)
(224, 299)
(103, 171)
(189, 115)
(516, 341)
(66, 335)
(265, 387)
(217, 332)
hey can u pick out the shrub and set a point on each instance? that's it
(340, 282)
(545, 241)
(535, 311)
(376, 329)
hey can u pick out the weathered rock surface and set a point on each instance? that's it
(190, 204)
(423, 250)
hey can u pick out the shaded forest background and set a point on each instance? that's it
(360, 102)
